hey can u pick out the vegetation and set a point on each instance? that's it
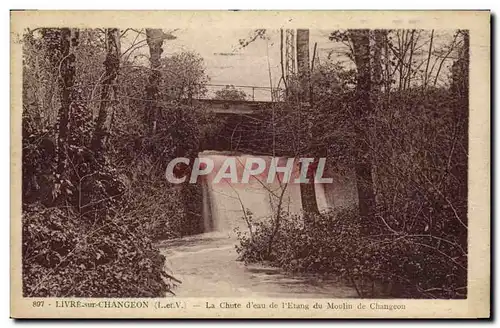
(392, 116)
(101, 120)
(230, 93)
(99, 127)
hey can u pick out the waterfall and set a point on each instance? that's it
(224, 202)
(208, 223)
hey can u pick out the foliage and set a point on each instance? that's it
(253, 35)
(163, 211)
(183, 76)
(89, 185)
(87, 230)
(386, 265)
(414, 243)
(417, 245)
(421, 165)
(66, 255)
(230, 93)
(168, 211)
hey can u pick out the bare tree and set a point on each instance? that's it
(427, 73)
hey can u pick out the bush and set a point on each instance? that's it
(386, 265)
(64, 256)
(164, 211)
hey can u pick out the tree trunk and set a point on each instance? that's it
(303, 68)
(387, 66)
(412, 49)
(376, 91)
(308, 197)
(427, 73)
(460, 90)
(377, 61)
(363, 109)
(377, 74)
(154, 38)
(69, 41)
(112, 66)
(307, 191)
(460, 71)
(466, 62)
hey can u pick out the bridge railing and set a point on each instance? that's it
(252, 93)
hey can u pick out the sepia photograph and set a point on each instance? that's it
(255, 161)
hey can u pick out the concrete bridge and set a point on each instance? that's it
(247, 129)
(246, 126)
(235, 107)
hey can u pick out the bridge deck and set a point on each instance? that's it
(234, 106)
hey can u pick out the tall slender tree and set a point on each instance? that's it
(303, 63)
(307, 191)
(112, 66)
(68, 43)
(379, 36)
(154, 38)
(460, 90)
(363, 107)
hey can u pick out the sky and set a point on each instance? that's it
(227, 63)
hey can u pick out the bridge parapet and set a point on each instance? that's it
(234, 106)
(250, 92)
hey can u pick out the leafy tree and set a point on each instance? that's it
(183, 76)
(230, 93)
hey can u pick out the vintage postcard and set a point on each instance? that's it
(250, 164)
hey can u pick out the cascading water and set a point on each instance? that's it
(224, 202)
